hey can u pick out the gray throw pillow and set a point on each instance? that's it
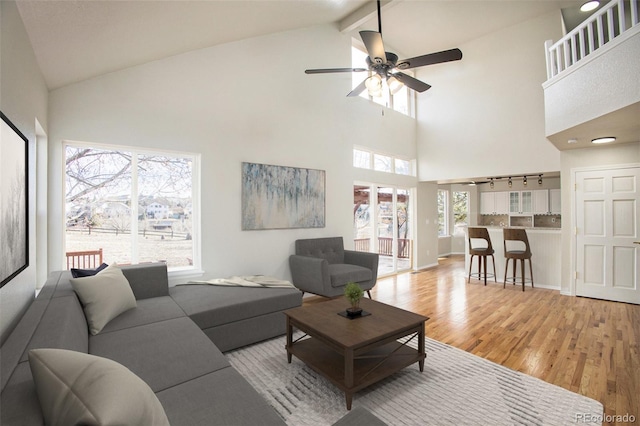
(78, 388)
(104, 296)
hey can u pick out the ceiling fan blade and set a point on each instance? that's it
(430, 59)
(358, 89)
(411, 82)
(329, 70)
(375, 48)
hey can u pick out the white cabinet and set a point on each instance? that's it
(520, 202)
(541, 201)
(487, 202)
(494, 202)
(502, 202)
(555, 201)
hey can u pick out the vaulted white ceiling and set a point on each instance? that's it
(75, 40)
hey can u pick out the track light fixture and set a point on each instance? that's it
(539, 179)
(491, 184)
(524, 180)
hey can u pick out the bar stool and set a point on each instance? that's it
(511, 234)
(482, 252)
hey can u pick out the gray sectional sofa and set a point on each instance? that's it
(173, 340)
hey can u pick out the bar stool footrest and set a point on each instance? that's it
(479, 276)
(517, 280)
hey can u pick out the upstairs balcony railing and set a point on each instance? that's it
(610, 22)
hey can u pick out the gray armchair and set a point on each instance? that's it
(322, 266)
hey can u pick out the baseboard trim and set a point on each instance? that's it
(421, 268)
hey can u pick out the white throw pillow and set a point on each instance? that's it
(104, 296)
(78, 388)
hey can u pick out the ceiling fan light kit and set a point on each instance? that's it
(383, 64)
(394, 84)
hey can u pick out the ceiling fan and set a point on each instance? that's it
(385, 65)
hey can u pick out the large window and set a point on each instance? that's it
(136, 206)
(443, 208)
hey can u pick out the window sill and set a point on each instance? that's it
(180, 276)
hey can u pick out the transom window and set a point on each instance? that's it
(137, 206)
(365, 159)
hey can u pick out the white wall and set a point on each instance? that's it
(23, 99)
(243, 101)
(484, 115)
(427, 226)
(578, 158)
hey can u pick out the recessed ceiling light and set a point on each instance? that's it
(606, 139)
(589, 6)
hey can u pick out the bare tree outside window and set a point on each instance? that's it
(460, 206)
(103, 211)
(361, 159)
(443, 223)
(382, 163)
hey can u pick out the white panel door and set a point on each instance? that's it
(607, 238)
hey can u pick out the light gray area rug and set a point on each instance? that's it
(456, 388)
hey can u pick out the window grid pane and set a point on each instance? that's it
(460, 212)
(442, 213)
(402, 167)
(382, 163)
(361, 159)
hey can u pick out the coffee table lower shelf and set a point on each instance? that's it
(368, 367)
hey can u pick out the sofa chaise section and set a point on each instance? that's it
(233, 317)
(156, 340)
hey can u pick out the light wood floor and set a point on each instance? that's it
(588, 346)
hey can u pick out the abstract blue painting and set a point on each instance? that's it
(278, 197)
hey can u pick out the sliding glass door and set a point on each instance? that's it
(382, 225)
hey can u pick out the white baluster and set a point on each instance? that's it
(600, 32)
(621, 17)
(610, 24)
(548, 54)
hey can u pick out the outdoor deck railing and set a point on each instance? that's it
(84, 259)
(385, 246)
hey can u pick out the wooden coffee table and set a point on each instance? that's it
(355, 353)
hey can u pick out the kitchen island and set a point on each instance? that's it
(545, 258)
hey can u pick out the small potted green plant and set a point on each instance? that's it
(353, 292)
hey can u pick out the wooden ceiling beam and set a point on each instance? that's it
(363, 14)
